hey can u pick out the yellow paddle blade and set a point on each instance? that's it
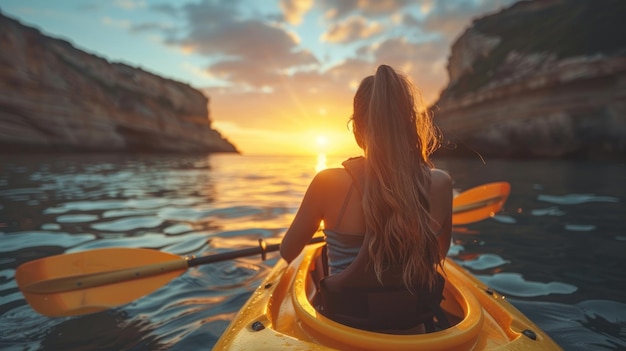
(95, 280)
(478, 203)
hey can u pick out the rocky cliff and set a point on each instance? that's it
(542, 78)
(56, 97)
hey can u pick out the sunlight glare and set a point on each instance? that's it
(321, 141)
(321, 162)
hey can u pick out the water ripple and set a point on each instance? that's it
(151, 241)
(126, 224)
(125, 213)
(550, 211)
(580, 227)
(514, 284)
(23, 240)
(77, 218)
(504, 219)
(210, 204)
(575, 199)
(576, 326)
(485, 261)
(178, 228)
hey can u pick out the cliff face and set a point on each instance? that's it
(56, 97)
(539, 79)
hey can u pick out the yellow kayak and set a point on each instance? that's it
(280, 316)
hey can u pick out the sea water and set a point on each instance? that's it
(557, 250)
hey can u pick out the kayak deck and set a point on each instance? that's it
(280, 316)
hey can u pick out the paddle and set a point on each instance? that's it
(479, 203)
(96, 280)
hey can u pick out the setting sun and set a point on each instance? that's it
(321, 141)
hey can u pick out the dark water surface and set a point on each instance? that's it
(558, 250)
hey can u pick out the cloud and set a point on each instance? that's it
(254, 53)
(123, 24)
(246, 51)
(399, 49)
(423, 62)
(166, 9)
(294, 101)
(352, 29)
(410, 21)
(89, 7)
(382, 7)
(338, 9)
(451, 18)
(150, 27)
(267, 81)
(130, 4)
(294, 10)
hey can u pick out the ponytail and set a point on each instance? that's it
(397, 137)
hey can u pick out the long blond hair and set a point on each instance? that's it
(397, 136)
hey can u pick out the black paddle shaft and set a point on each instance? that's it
(263, 249)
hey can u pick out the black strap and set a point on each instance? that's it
(344, 206)
(442, 319)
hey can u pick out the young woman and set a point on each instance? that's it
(387, 216)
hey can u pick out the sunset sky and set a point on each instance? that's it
(280, 75)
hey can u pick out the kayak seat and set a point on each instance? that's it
(381, 308)
(356, 298)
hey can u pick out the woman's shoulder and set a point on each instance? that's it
(355, 164)
(331, 176)
(439, 173)
(331, 172)
(440, 178)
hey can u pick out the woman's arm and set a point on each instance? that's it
(307, 219)
(441, 208)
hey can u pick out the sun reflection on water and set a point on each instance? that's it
(321, 162)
